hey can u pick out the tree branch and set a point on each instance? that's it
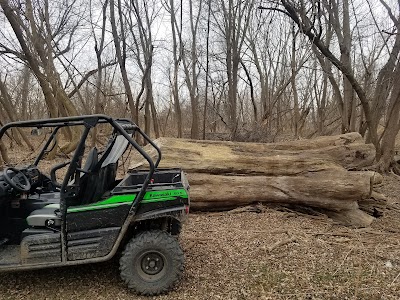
(86, 77)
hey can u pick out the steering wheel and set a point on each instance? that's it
(18, 181)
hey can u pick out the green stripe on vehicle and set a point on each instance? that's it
(111, 202)
(117, 200)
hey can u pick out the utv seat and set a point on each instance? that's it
(54, 197)
(93, 184)
(48, 216)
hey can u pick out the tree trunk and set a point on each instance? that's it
(336, 191)
(4, 155)
(348, 92)
(177, 59)
(392, 127)
(26, 77)
(5, 99)
(121, 57)
(294, 87)
(313, 173)
(192, 73)
(99, 47)
(154, 116)
(35, 40)
(207, 69)
(288, 158)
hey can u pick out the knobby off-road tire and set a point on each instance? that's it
(152, 263)
(176, 228)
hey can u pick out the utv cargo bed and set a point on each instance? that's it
(162, 179)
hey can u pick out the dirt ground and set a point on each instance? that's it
(269, 255)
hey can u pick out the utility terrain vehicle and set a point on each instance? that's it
(91, 216)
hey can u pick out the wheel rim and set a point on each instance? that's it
(151, 265)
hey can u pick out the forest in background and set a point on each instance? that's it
(239, 70)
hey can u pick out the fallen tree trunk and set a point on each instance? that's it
(312, 173)
(223, 162)
(334, 191)
(218, 157)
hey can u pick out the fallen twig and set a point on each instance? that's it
(341, 234)
(398, 275)
(342, 263)
(281, 243)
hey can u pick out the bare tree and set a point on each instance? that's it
(5, 100)
(177, 58)
(207, 71)
(99, 48)
(119, 39)
(296, 120)
(306, 17)
(39, 36)
(342, 29)
(26, 77)
(192, 69)
(234, 25)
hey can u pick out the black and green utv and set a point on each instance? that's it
(91, 215)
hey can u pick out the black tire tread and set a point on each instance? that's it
(161, 239)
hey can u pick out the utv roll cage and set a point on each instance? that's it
(124, 127)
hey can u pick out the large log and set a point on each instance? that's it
(336, 191)
(314, 173)
(289, 158)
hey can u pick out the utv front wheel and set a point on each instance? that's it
(152, 263)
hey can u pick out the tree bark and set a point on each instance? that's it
(336, 191)
(121, 57)
(26, 77)
(312, 173)
(177, 58)
(99, 47)
(4, 155)
(191, 70)
(289, 158)
(5, 99)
